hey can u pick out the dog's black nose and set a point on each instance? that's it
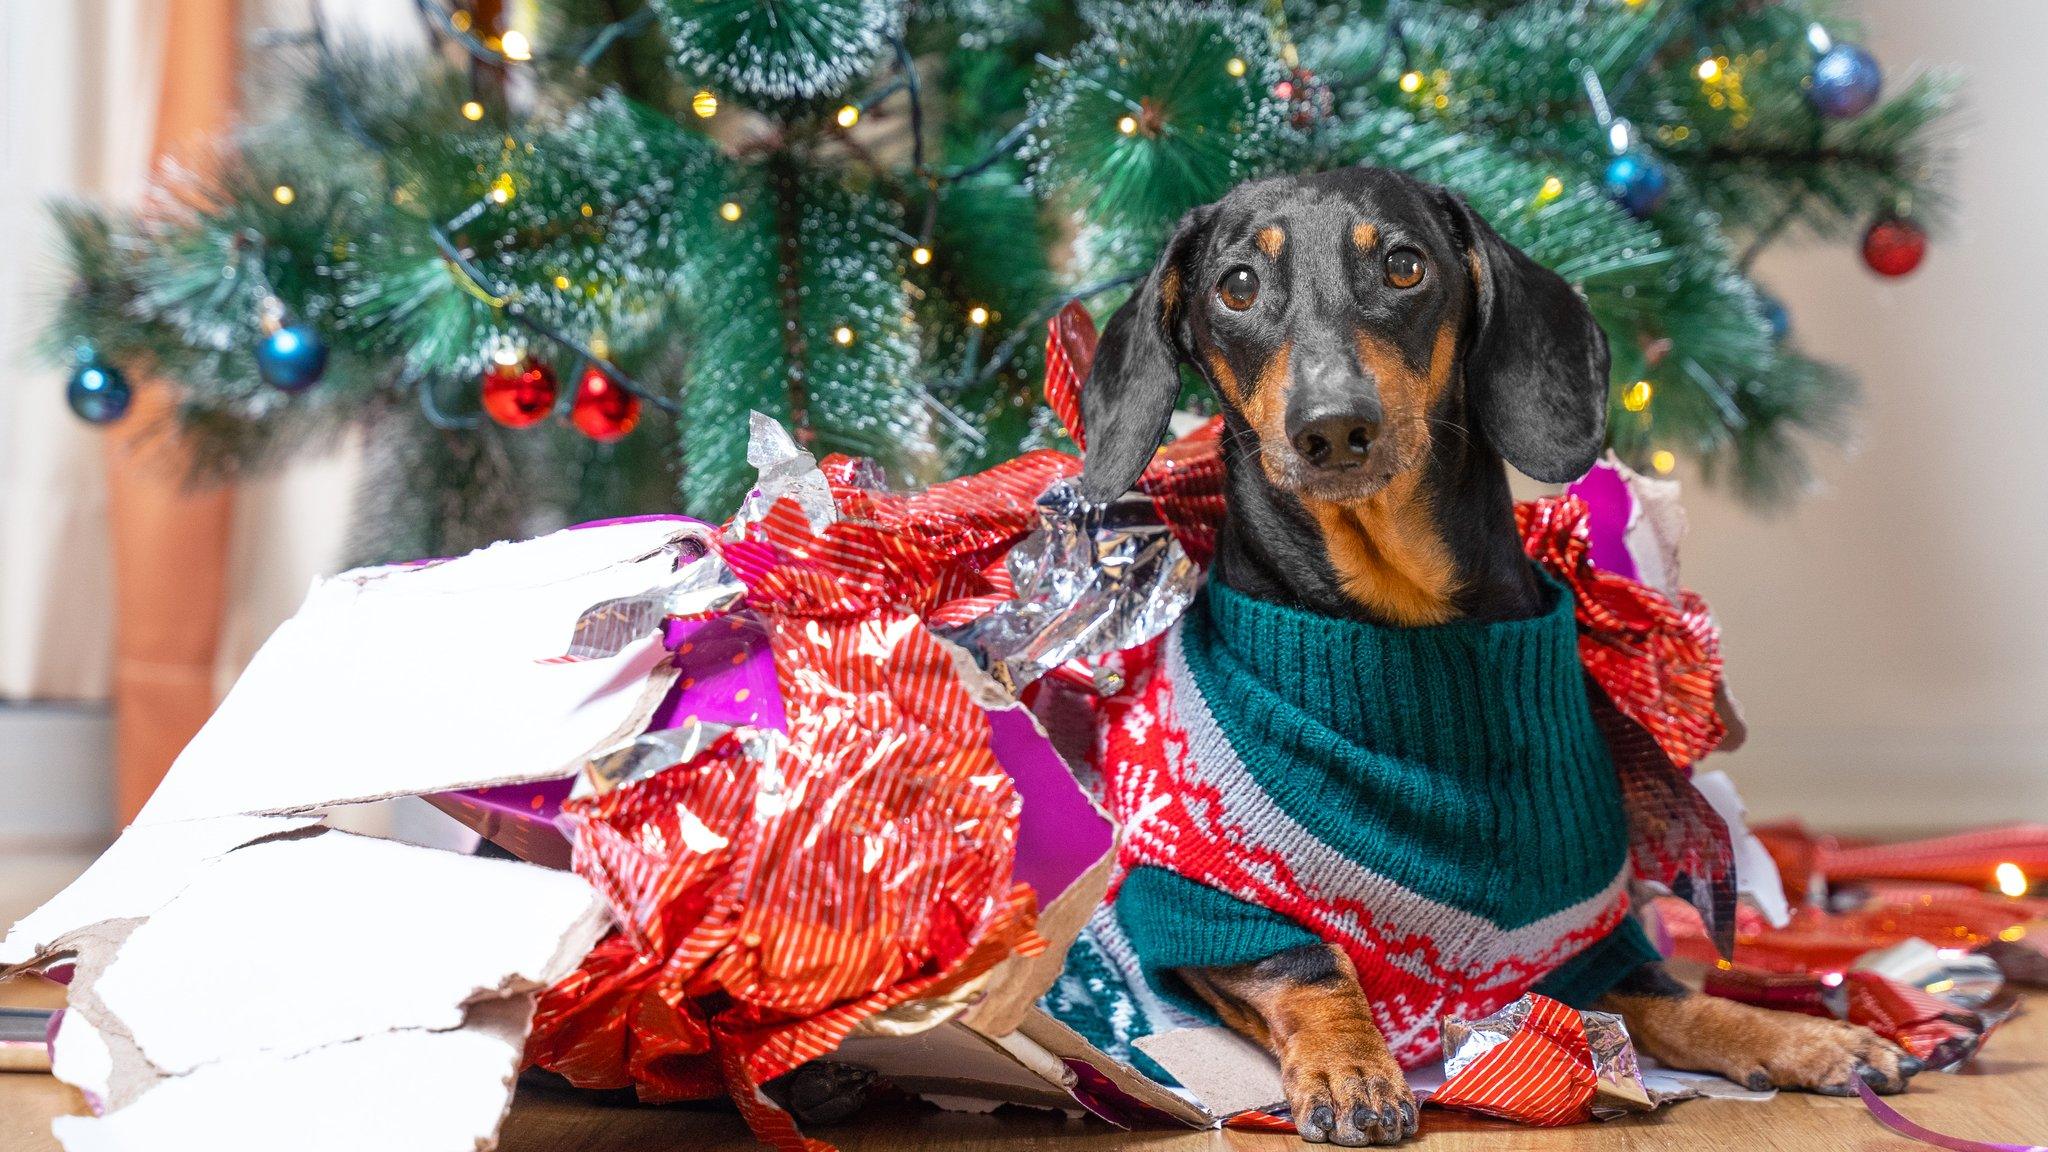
(1333, 439)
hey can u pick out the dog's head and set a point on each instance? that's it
(1348, 318)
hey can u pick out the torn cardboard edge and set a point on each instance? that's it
(458, 664)
(406, 974)
(407, 1090)
(141, 872)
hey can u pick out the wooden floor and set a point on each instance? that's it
(2003, 1097)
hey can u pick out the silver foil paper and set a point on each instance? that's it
(1620, 1089)
(785, 471)
(1093, 579)
(703, 585)
(635, 760)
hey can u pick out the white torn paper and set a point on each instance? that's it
(403, 681)
(143, 870)
(80, 1057)
(1756, 874)
(409, 1091)
(329, 939)
(323, 991)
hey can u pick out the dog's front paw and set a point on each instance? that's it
(1759, 1048)
(1348, 1091)
(1825, 1056)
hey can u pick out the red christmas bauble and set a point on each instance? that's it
(519, 394)
(1894, 246)
(601, 409)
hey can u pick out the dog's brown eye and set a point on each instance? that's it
(1404, 267)
(1238, 288)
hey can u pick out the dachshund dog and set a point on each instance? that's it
(1380, 354)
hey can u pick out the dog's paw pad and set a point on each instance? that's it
(1351, 1106)
(1827, 1058)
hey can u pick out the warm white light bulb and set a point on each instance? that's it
(2011, 880)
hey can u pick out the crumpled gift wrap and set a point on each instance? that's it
(1539, 1062)
(1935, 1017)
(778, 888)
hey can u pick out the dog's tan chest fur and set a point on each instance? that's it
(1388, 554)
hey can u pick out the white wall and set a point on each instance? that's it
(1889, 636)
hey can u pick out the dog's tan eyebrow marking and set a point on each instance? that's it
(1272, 238)
(1364, 236)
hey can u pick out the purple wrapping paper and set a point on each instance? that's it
(1060, 834)
(727, 675)
(1609, 504)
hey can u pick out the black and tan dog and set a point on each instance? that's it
(1380, 354)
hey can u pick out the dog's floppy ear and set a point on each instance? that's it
(1131, 387)
(1536, 367)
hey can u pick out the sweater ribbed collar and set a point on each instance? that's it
(1449, 694)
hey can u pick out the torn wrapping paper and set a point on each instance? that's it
(1539, 1062)
(143, 870)
(1942, 1033)
(1940, 1018)
(1819, 939)
(401, 681)
(790, 882)
(1534, 1062)
(406, 973)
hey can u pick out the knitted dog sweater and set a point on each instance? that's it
(1435, 801)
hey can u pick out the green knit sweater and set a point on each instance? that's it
(1436, 801)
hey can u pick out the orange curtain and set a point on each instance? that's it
(169, 544)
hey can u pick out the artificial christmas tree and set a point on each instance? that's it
(856, 215)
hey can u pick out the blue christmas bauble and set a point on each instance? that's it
(1775, 315)
(292, 358)
(1846, 80)
(1637, 183)
(99, 393)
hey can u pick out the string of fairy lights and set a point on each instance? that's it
(520, 390)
